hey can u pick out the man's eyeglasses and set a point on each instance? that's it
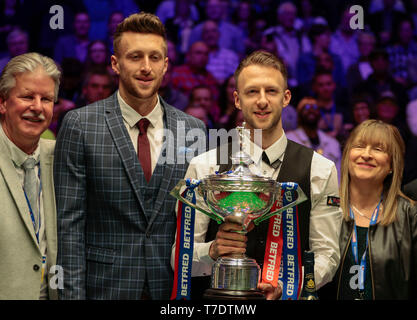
(311, 106)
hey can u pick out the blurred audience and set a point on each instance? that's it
(387, 110)
(412, 11)
(403, 54)
(179, 26)
(256, 31)
(71, 79)
(74, 45)
(411, 115)
(168, 9)
(200, 113)
(331, 120)
(361, 69)
(172, 96)
(194, 71)
(99, 12)
(11, 17)
(222, 62)
(115, 18)
(344, 42)
(243, 17)
(362, 110)
(410, 169)
(381, 80)
(17, 44)
(383, 19)
(228, 110)
(61, 107)
(202, 97)
(97, 85)
(98, 55)
(231, 37)
(320, 36)
(289, 118)
(290, 42)
(309, 135)
(348, 72)
(174, 57)
(308, 15)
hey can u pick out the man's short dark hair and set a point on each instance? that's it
(317, 30)
(265, 59)
(140, 23)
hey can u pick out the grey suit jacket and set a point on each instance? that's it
(109, 241)
(20, 256)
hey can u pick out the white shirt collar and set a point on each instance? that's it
(132, 117)
(274, 152)
(17, 155)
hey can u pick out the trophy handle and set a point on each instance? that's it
(177, 194)
(301, 198)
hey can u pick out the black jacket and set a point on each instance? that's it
(410, 189)
(392, 254)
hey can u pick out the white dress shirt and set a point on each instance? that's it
(325, 220)
(329, 147)
(155, 130)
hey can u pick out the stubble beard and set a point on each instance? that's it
(264, 127)
(137, 93)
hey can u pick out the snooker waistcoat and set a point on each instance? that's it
(296, 167)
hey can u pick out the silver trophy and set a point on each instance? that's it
(244, 197)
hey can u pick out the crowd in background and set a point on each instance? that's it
(338, 76)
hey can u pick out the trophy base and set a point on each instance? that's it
(224, 294)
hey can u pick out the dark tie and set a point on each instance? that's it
(274, 164)
(144, 149)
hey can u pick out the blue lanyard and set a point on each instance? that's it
(354, 242)
(32, 216)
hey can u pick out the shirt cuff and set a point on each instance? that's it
(204, 253)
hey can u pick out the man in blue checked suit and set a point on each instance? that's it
(115, 162)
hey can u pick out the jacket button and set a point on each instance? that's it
(35, 267)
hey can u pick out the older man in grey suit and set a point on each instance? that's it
(28, 241)
(114, 171)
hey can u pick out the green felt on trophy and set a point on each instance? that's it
(242, 200)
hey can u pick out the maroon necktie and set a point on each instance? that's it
(144, 150)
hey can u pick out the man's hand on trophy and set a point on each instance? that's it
(229, 239)
(271, 292)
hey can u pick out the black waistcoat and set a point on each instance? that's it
(295, 167)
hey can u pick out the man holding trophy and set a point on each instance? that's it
(261, 93)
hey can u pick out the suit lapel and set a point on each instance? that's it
(124, 146)
(48, 195)
(16, 190)
(171, 122)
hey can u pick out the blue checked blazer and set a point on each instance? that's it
(110, 236)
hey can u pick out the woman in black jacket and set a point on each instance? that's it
(378, 239)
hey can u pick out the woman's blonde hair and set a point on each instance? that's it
(376, 132)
